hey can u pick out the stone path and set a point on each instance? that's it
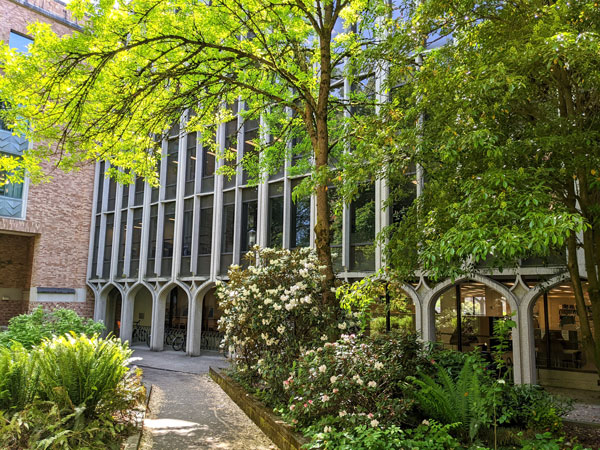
(190, 411)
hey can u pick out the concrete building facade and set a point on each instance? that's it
(44, 228)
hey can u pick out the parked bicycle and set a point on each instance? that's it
(140, 333)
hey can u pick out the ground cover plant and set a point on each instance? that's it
(30, 329)
(68, 392)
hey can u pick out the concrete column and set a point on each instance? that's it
(194, 332)
(428, 319)
(157, 336)
(99, 307)
(127, 304)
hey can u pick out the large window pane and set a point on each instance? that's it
(172, 165)
(231, 131)
(138, 197)
(228, 231)
(300, 220)
(96, 246)
(208, 164)
(275, 227)
(362, 232)
(186, 241)
(248, 222)
(112, 195)
(150, 266)
(135, 242)
(190, 165)
(110, 221)
(205, 235)
(122, 242)
(168, 235)
(335, 229)
(100, 186)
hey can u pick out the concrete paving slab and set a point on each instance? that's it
(190, 411)
(177, 361)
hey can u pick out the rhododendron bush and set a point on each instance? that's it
(356, 380)
(272, 311)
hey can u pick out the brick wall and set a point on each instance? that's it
(58, 212)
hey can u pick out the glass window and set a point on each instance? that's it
(136, 240)
(208, 164)
(112, 194)
(110, 221)
(205, 235)
(100, 182)
(250, 148)
(150, 271)
(478, 307)
(122, 242)
(186, 242)
(125, 198)
(557, 334)
(19, 42)
(96, 246)
(190, 165)
(275, 227)
(138, 197)
(172, 165)
(300, 220)
(227, 232)
(248, 222)
(231, 132)
(168, 235)
(362, 231)
(335, 228)
(394, 312)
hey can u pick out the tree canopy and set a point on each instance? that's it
(504, 123)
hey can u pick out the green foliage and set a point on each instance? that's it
(30, 329)
(546, 441)
(271, 312)
(356, 380)
(68, 392)
(453, 401)
(428, 436)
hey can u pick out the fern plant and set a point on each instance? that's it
(453, 402)
(18, 378)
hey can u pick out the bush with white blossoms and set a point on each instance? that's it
(354, 381)
(271, 312)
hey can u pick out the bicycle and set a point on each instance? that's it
(178, 342)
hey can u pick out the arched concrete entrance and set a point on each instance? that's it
(114, 302)
(170, 319)
(137, 316)
(211, 313)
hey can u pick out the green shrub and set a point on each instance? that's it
(18, 378)
(428, 436)
(82, 372)
(546, 441)
(31, 329)
(358, 380)
(271, 312)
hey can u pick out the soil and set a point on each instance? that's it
(586, 435)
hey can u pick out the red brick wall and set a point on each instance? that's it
(57, 212)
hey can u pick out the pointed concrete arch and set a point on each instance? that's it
(526, 323)
(128, 307)
(101, 300)
(412, 294)
(158, 314)
(432, 296)
(195, 317)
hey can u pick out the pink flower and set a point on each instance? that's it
(370, 415)
(305, 405)
(310, 402)
(336, 390)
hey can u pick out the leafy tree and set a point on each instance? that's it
(111, 90)
(504, 124)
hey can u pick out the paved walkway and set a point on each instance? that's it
(190, 411)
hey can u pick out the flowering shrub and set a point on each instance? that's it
(356, 381)
(271, 312)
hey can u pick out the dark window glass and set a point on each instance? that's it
(228, 230)
(275, 227)
(248, 222)
(100, 182)
(208, 164)
(190, 165)
(168, 234)
(122, 242)
(250, 148)
(362, 231)
(205, 235)
(138, 198)
(10, 190)
(186, 242)
(300, 220)
(136, 240)
(150, 270)
(172, 165)
(231, 131)
(125, 198)
(335, 230)
(19, 42)
(112, 195)
(110, 221)
(96, 246)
